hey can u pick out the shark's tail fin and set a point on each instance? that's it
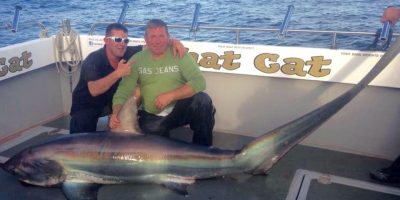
(261, 154)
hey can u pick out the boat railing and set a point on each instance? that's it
(239, 30)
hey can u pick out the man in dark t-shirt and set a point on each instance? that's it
(100, 75)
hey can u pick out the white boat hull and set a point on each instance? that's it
(253, 92)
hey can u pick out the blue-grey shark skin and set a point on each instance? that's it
(80, 163)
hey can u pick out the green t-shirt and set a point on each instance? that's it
(158, 76)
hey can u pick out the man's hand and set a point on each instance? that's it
(163, 100)
(124, 68)
(177, 48)
(114, 121)
(100, 86)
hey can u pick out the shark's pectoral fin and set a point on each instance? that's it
(80, 191)
(178, 184)
(180, 188)
(263, 169)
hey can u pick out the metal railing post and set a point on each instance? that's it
(15, 22)
(383, 36)
(334, 40)
(125, 7)
(285, 23)
(195, 22)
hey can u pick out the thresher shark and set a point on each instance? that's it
(81, 163)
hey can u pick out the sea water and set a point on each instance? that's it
(320, 15)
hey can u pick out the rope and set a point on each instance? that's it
(68, 59)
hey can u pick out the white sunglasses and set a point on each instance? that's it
(119, 40)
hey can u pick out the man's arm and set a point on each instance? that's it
(100, 86)
(177, 47)
(195, 83)
(182, 92)
(126, 88)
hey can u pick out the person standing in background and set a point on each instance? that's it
(391, 14)
(389, 174)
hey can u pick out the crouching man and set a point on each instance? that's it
(171, 89)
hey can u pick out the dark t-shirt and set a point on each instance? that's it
(94, 67)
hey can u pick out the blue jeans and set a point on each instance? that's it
(84, 121)
(197, 111)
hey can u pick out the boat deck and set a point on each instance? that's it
(274, 186)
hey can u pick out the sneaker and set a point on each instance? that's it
(383, 176)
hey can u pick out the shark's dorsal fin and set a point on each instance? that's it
(128, 118)
(80, 190)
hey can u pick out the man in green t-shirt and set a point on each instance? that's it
(171, 89)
